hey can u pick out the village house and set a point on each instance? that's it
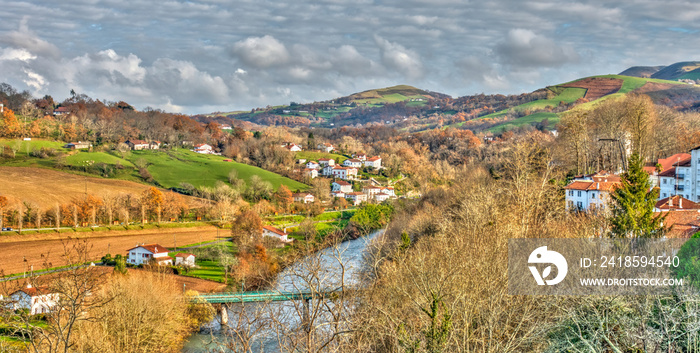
(304, 197)
(344, 173)
(324, 162)
(301, 161)
(137, 145)
(342, 186)
(328, 170)
(327, 147)
(389, 190)
(270, 231)
(679, 175)
(61, 111)
(185, 259)
(675, 203)
(38, 300)
(312, 165)
(591, 192)
(354, 163)
(311, 173)
(293, 147)
(155, 145)
(664, 165)
(374, 162)
(361, 156)
(356, 198)
(80, 145)
(339, 194)
(145, 253)
(203, 148)
(371, 190)
(226, 127)
(381, 197)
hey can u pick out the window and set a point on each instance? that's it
(571, 192)
(665, 181)
(667, 195)
(593, 195)
(579, 204)
(579, 193)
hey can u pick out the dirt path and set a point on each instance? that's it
(40, 248)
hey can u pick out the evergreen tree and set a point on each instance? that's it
(633, 203)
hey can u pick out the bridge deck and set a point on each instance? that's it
(259, 296)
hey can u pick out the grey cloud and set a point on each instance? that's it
(25, 39)
(403, 60)
(261, 52)
(523, 48)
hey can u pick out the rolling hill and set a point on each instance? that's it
(678, 71)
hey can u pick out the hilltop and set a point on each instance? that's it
(684, 70)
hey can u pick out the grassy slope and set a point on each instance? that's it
(180, 165)
(314, 156)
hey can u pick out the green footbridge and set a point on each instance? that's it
(261, 296)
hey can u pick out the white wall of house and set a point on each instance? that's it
(139, 256)
(587, 199)
(185, 261)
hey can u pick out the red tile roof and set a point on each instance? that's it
(678, 159)
(138, 142)
(340, 182)
(677, 202)
(275, 230)
(153, 248)
(35, 291)
(683, 223)
(592, 185)
(373, 159)
(184, 255)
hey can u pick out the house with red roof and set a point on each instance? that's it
(675, 203)
(340, 185)
(185, 259)
(148, 253)
(38, 300)
(270, 231)
(591, 192)
(374, 162)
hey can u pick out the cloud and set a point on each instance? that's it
(25, 39)
(522, 48)
(261, 52)
(403, 60)
(16, 54)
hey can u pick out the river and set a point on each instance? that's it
(275, 327)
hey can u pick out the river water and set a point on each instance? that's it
(275, 327)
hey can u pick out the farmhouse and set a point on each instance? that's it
(137, 145)
(312, 165)
(328, 170)
(356, 197)
(374, 162)
(340, 185)
(203, 148)
(61, 111)
(185, 259)
(370, 190)
(311, 173)
(344, 173)
(38, 300)
(293, 147)
(226, 127)
(327, 147)
(80, 145)
(381, 197)
(145, 253)
(324, 162)
(354, 163)
(270, 231)
(361, 156)
(304, 197)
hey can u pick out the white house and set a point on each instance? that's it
(304, 197)
(680, 176)
(185, 259)
(38, 300)
(361, 156)
(591, 192)
(327, 147)
(313, 165)
(145, 253)
(374, 162)
(381, 197)
(324, 162)
(137, 145)
(389, 190)
(675, 203)
(293, 147)
(354, 163)
(226, 127)
(340, 185)
(340, 194)
(311, 173)
(328, 170)
(204, 148)
(371, 190)
(344, 173)
(270, 231)
(356, 197)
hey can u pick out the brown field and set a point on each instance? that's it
(655, 86)
(597, 87)
(46, 187)
(37, 249)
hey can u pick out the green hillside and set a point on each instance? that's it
(168, 168)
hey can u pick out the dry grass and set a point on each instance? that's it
(37, 249)
(46, 187)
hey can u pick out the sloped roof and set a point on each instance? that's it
(153, 248)
(683, 223)
(340, 182)
(184, 255)
(275, 230)
(592, 185)
(677, 202)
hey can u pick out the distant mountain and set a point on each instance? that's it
(392, 95)
(677, 71)
(641, 71)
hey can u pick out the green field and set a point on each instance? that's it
(84, 157)
(209, 270)
(23, 148)
(315, 156)
(527, 120)
(170, 168)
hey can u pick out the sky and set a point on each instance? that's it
(203, 56)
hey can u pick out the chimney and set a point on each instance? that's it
(29, 285)
(597, 186)
(680, 202)
(670, 202)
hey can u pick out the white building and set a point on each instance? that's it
(324, 162)
(270, 231)
(354, 163)
(371, 190)
(675, 203)
(304, 197)
(138, 145)
(313, 165)
(381, 197)
(143, 254)
(204, 148)
(38, 300)
(681, 176)
(356, 197)
(327, 147)
(344, 173)
(361, 156)
(185, 259)
(591, 192)
(293, 147)
(226, 127)
(389, 190)
(374, 162)
(328, 170)
(342, 186)
(340, 194)
(311, 173)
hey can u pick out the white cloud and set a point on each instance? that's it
(16, 54)
(397, 57)
(261, 52)
(525, 49)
